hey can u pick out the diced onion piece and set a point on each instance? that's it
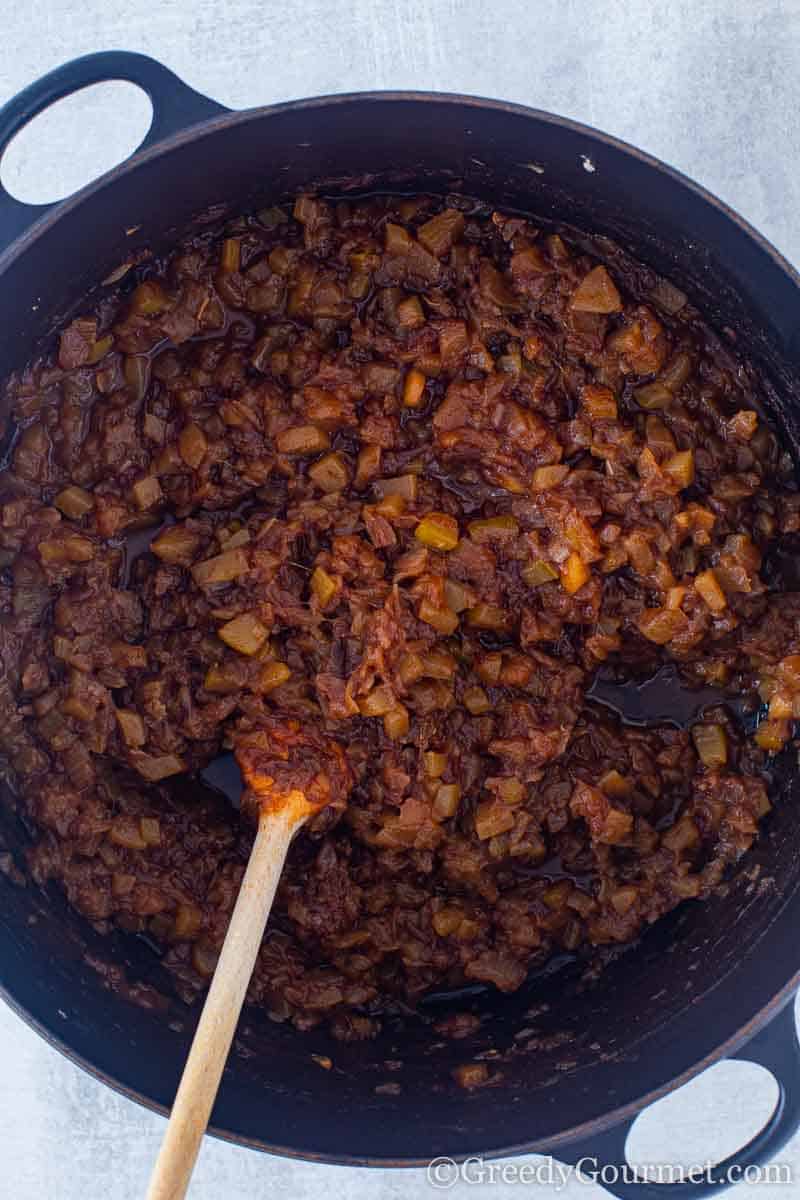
(772, 735)
(658, 435)
(667, 296)
(438, 531)
(325, 409)
(245, 634)
(410, 668)
(538, 572)
(677, 371)
(434, 763)
(330, 473)
(492, 818)
(596, 293)
(599, 403)
(409, 313)
(392, 506)
(175, 545)
(302, 439)
(147, 492)
(223, 568)
(74, 502)
(639, 551)
(131, 726)
(675, 595)
(510, 790)
(789, 671)
(545, 478)
(743, 424)
(136, 370)
(439, 664)
(517, 671)
(99, 349)
(414, 388)
(614, 784)
(221, 681)
(440, 232)
(149, 299)
(489, 668)
(446, 801)
(378, 702)
(476, 701)
(556, 896)
(488, 528)
(708, 587)
(154, 768)
(617, 827)
(442, 619)
(192, 445)
(150, 828)
(623, 898)
(399, 485)
(781, 707)
(681, 467)
(574, 574)
(241, 537)
(488, 616)
(154, 427)
(681, 836)
(69, 549)
(397, 239)
(396, 723)
(125, 832)
(75, 707)
(457, 596)
(188, 922)
(711, 743)
(660, 625)
(453, 341)
(367, 465)
(494, 287)
(446, 921)
(651, 396)
(231, 256)
(358, 284)
(272, 217)
(324, 586)
(532, 346)
(272, 676)
(696, 518)
(128, 657)
(204, 959)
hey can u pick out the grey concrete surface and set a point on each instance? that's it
(711, 86)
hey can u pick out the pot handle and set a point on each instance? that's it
(774, 1047)
(175, 106)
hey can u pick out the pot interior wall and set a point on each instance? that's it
(565, 1050)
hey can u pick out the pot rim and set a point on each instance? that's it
(48, 217)
(578, 1133)
(231, 118)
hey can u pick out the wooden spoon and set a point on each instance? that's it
(282, 809)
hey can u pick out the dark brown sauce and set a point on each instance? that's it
(223, 777)
(136, 543)
(663, 699)
(553, 870)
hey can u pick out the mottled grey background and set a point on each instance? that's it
(711, 86)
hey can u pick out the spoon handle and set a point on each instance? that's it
(214, 1034)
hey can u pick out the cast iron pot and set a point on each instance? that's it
(574, 1062)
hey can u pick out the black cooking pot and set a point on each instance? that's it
(574, 1062)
